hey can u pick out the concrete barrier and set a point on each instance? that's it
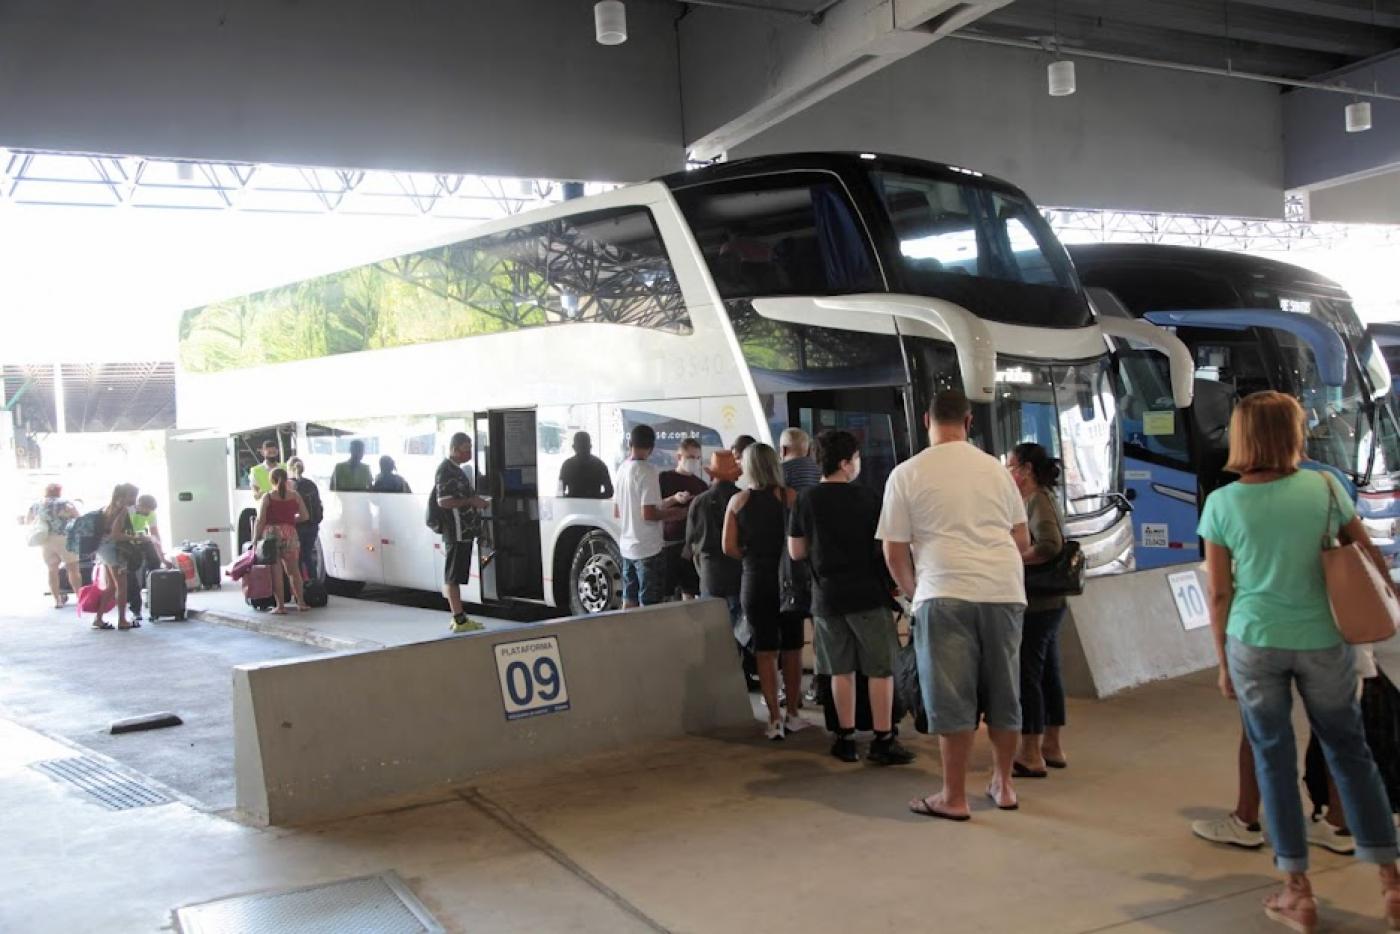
(331, 736)
(1124, 631)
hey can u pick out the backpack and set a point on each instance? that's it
(436, 516)
(85, 534)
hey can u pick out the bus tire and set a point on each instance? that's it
(343, 588)
(595, 575)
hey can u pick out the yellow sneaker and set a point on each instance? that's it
(465, 623)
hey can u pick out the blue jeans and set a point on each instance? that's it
(644, 580)
(1326, 679)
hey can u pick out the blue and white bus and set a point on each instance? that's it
(1250, 324)
(823, 290)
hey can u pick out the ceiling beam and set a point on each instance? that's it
(1325, 10)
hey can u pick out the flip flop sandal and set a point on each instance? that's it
(103, 626)
(1003, 807)
(125, 626)
(1025, 771)
(1057, 763)
(921, 806)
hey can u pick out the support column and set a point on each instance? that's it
(60, 423)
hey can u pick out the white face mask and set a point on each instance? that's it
(691, 465)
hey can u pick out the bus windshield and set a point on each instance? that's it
(1071, 410)
(985, 249)
(1339, 426)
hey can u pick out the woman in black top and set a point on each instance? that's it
(755, 531)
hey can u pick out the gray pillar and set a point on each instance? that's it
(59, 402)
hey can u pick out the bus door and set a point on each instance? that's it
(507, 471)
(877, 416)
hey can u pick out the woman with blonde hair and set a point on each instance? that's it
(755, 532)
(276, 532)
(1274, 632)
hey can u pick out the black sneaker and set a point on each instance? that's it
(845, 749)
(889, 752)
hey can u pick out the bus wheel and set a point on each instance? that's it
(596, 575)
(340, 588)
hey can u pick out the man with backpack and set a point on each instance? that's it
(457, 518)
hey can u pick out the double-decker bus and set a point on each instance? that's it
(1250, 324)
(820, 290)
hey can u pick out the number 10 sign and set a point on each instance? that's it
(1190, 599)
(532, 677)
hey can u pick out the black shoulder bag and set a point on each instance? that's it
(1062, 575)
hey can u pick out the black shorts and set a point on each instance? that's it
(774, 631)
(680, 573)
(458, 569)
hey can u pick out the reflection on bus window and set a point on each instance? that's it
(1338, 432)
(790, 234)
(1148, 408)
(1069, 410)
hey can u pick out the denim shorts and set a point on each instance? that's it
(644, 579)
(864, 641)
(969, 657)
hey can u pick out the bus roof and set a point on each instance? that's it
(1269, 272)
(833, 162)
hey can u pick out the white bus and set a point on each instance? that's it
(822, 291)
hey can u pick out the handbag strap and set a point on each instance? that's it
(1327, 537)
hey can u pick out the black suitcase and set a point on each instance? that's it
(166, 591)
(208, 565)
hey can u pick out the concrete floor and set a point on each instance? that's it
(345, 624)
(714, 835)
(698, 834)
(60, 676)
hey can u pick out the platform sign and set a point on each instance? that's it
(532, 677)
(1190, 598)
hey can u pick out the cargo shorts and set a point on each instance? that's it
(864, 641)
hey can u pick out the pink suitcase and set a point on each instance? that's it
(257, 587)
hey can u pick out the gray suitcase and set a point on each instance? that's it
(166, 589)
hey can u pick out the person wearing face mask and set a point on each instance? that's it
(832, 530)
(687, 477)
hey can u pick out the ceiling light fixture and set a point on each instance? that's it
(1358, 116)
(1061, 77)
(610, 22)
(1060, 74)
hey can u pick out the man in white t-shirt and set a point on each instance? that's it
(638, 506)
(953, 528)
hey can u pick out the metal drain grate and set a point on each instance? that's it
(111, 788)
(381, 904)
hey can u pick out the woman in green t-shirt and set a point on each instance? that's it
(1274, 631)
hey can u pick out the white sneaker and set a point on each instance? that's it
(1229, 829)
(774, 731)
(1323, 834)
(793, 723)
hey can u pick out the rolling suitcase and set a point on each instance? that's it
(206, 563)
(257, 587)
(165, 594)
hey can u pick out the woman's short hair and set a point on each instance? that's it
(1266, 433)
(761, 466)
